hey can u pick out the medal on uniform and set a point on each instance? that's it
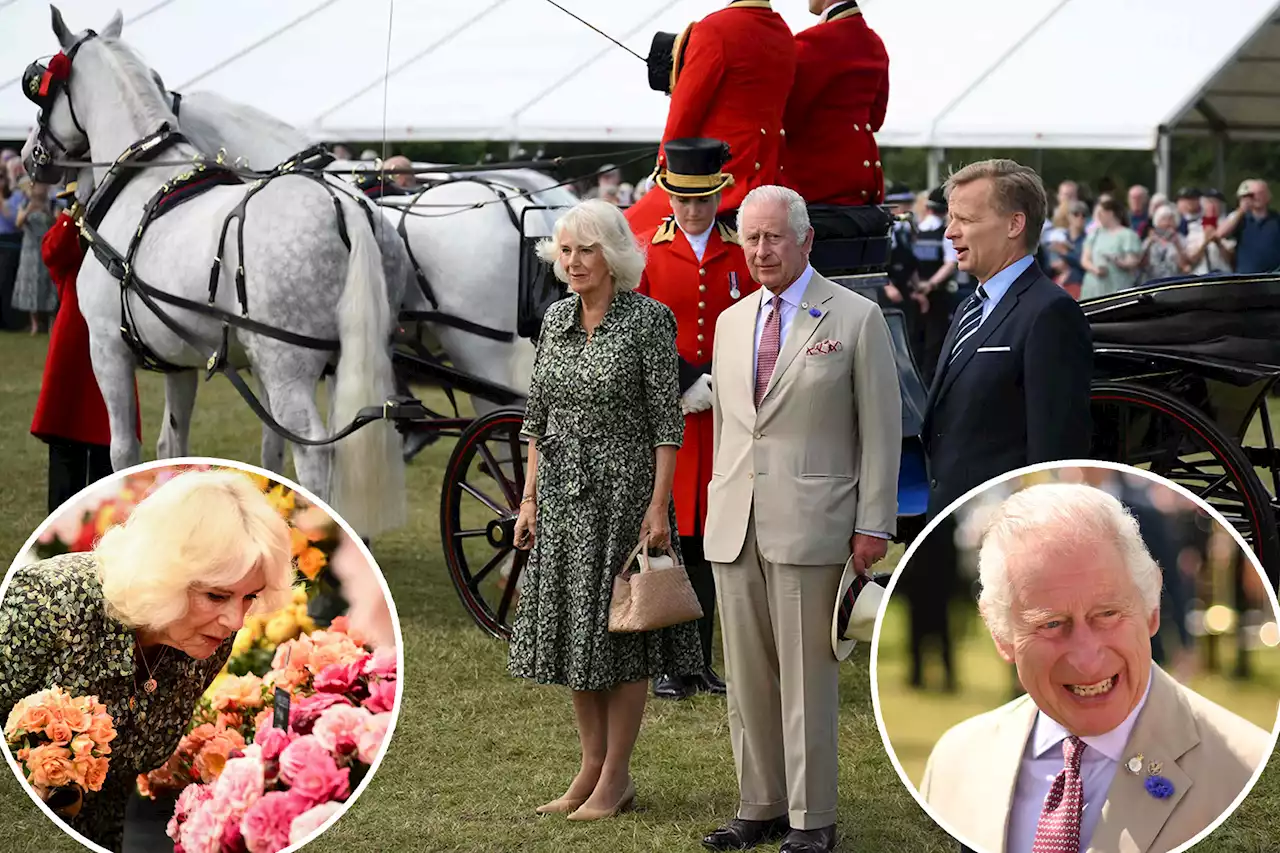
(734, 293)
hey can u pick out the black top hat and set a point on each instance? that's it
(666, 59)
(938, 199)
(1188, 192)
(692, 168)
(898, 192)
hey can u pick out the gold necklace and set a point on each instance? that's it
(149, 686)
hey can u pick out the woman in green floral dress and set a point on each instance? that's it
(145, 621)
(604, 423)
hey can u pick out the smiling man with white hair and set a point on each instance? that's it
(808, 434)
(1105, 751)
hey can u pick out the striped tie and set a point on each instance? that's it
(1059, 828)
(770, 343)
(970, 320)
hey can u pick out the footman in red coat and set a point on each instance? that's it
(730, 76)
(837, 103)
(71, 416)
(695, 266)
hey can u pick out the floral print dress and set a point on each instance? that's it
(55, 631)
(597, 408)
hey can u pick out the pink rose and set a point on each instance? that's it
(370, 739)
(305, 711)
(340, 678)
(266, 825)
(340, 726)
(273, 741)
(320, 780)
(190, 798)
(232, 838)
(302, 752)
(240, 785)
(202, 832)
(382, 663)
(311, 820)
(382, 697)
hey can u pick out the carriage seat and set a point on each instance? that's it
(850, 240)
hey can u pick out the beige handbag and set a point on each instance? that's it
(658, 595)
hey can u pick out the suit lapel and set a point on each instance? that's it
(1003, 762)
(803, 325)
(1002, 310)
(1165, 731)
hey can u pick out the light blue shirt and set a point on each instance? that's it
(792, 300)
(998, 285)
(792, 297)
(1043, 760)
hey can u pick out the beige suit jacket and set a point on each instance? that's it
(1207, 752)
(820, 457)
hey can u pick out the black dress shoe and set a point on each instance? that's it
(810, 840)
(740, 834)
(667, 687)
(709, 682)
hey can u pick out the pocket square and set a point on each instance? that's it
(993, 349)
(824, 348)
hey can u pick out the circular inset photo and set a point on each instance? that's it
(196, 655)
(1080, 656)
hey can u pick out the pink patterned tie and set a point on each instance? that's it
(770, 343)
(1059, 828)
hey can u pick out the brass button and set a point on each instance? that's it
(701, 338)
(866, 163)
(855, 127)
(759, 435)
(702, 321)
(782, 132)
(699, 353)
(864, 193)
(751, 476)
(702, 287)
(877, 164)
(702, 271)
(757, 167)
(764, 132)
(702, 305)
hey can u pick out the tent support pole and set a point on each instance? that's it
(1164, 162)
(1220, 161)
(937, 156)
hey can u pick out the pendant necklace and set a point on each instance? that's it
(149, 686)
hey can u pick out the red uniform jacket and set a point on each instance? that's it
(837, 102)
(696, 293)
(70, 406)
(733, 86)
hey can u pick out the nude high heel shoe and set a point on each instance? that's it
(564, 805)
(627, 803)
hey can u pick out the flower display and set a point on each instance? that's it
(62, 742)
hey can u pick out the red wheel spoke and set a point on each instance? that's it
(469, 534)
(478, 577)
(504, 607)
(517, 457)
(497, 508)
(495, 471)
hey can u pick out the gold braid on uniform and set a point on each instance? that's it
(728, 235)
(666, 231)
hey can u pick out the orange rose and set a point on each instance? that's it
(49, 766)
(81, 745)
(97, 774)
(35, 718)
(101, 729)
(213, 756)
(58, 732)
(75, 717)
(311, 562)
(239, 692)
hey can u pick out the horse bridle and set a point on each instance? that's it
(42, 85)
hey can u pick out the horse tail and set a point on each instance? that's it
(367, 479)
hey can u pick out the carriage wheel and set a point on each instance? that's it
(479, 504)
(1153, 430)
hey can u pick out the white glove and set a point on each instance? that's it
(698, 397)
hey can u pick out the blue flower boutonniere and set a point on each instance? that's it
(1159, 787)
(815, 312)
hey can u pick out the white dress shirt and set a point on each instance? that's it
(1042, 761)
(792, 299)
(698, 241)
(998, 285)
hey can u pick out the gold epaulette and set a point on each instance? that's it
(728, 235)
(666, 231)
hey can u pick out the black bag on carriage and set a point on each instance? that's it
(850, 240)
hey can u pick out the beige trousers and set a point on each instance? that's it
(783, 685)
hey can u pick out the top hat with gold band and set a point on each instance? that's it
(692, 167)
(666, 59)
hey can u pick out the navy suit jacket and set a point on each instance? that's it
(1018, 395)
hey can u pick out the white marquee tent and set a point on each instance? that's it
(990, 73)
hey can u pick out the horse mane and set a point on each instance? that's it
(146, 90)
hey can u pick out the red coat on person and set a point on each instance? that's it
(837, 102)
(70, 406)
(696, 292)
(737, 68)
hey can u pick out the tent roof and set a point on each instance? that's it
(504, 69)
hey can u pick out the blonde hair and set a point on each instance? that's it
(1015, 189)
(1053, 515)
(202, 527)
(596, 222)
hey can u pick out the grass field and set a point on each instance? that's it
(475, 750)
